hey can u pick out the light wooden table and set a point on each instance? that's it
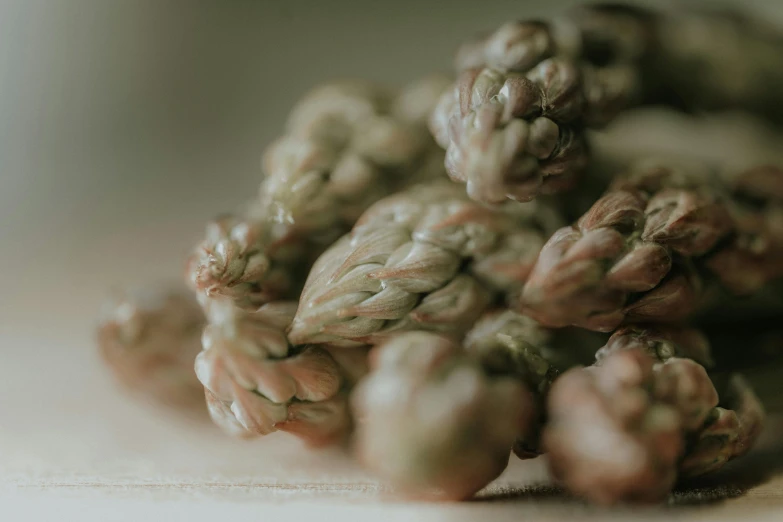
(72, 447)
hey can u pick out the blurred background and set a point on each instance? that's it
(124, 126)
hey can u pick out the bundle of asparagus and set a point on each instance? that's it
(149, 339)
(362, 297)
(514, 122)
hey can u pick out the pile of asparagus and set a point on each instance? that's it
(437, 325)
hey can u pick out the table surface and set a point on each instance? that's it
(73, 447)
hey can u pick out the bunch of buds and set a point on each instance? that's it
(364, 299)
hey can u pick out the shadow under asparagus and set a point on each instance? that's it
(733, 481)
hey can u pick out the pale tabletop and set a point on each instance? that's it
(72, 447)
